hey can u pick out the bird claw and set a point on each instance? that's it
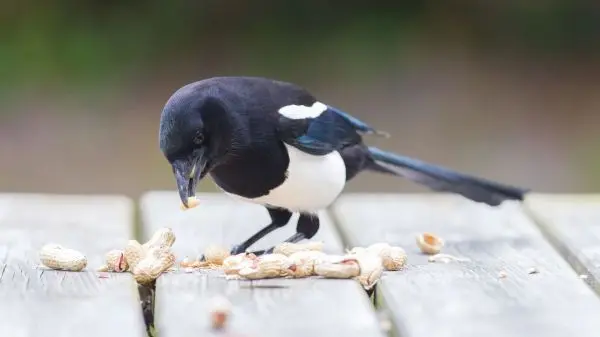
(264, 251)
(237, 249)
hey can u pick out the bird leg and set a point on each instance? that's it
(279, 218)
(308, 225)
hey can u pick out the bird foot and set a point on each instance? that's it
(241, 248)
(237, 249)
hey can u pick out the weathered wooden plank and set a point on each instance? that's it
(277, 307)
(572, 224)
(41, 302)
(469, 298)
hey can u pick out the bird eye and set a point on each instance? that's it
(198, 138)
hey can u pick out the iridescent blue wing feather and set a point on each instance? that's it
(332, 130)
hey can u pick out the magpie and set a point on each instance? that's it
(273, 143)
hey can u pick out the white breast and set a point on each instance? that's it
(313, 182)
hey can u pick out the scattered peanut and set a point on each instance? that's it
(156, 256)
(393, 258)
(145, 261)
(163, 237)
(533, 270)
(192, 202)
(288, 248)
(134, 252)
(502, 274)
(214, 254)
(115, 261)
(429, 243)
(266, 266)
(155, 262)
(302, 263)
(371, 268)
(220, 308)
(58, 257)
(186, 263)
(337, 267)
(234, 260)
(233, 263)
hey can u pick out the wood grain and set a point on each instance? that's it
(35, 301)
(277, 307)
(469, 298)
(572, 224)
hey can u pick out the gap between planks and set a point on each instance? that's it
(571, 223)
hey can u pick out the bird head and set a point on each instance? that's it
(185, 137)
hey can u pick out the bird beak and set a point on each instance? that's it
(187, 174)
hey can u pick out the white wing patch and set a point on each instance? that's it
(302, 111)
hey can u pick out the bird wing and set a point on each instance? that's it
(331, 130)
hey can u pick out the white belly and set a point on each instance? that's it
(313, 182)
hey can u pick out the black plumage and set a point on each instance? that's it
(275, 144)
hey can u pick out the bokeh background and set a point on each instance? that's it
(508, 90)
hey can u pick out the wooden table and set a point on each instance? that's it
(527, 269)
(39, 302)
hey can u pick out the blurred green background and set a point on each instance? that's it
(508, 90)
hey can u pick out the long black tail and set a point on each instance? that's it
(442, 179)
